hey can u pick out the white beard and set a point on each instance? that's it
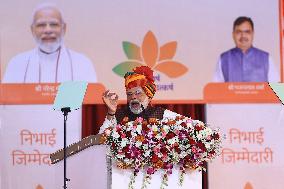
(143, 105)
(49, 47)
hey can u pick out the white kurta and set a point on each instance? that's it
(113, 122)
(37, 67)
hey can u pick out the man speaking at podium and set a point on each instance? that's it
(140, 89)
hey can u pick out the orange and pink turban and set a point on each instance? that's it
(141, 77)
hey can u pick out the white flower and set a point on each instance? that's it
(139, 129)
(138, 144)
(129, 126)
(175, 157)
(160, 154)
(197, 122)
(158, 136)
(173, 140)
(199, 136)
(183, 154)
(115, 135)
(133, 133)
(128, 161)
(147, 153)
(155, 128)
(207, 145)
(145, 146)
(166, 128)
(123, 143)
(208, 131)
(180, 127)
(120, 156)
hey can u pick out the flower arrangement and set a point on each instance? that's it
(151, 145)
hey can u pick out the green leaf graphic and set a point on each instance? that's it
(124, 67)
(278, 89)
(131, 50)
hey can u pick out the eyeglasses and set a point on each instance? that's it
(138, 93)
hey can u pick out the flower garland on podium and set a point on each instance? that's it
(151, 145)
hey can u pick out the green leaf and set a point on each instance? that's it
(124, 67)
(131, 50)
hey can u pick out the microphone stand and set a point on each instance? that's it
(65, 111)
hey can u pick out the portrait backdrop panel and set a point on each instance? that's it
(181, 39)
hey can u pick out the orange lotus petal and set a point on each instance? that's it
(39, 187)
(168, 51)
(248, 186)
(150, 49)
(171, 68)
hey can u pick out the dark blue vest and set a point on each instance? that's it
(249, 67)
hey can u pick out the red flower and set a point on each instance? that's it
(122, 135)
(186, 158)
(215, 136)
(126, 148)
(155, 158)
(128, 134)
(145, 142)
(191, 141)
(170, 135)
(128, 155)
(118, 129)
(126, 151)
(164, 150)
(183, 124)
(177, 149)
(201, 146)
(145, 128)
(198, 127)
(113, 145)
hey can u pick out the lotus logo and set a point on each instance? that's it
(150, 54)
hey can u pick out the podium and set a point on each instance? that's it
(89, 167)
